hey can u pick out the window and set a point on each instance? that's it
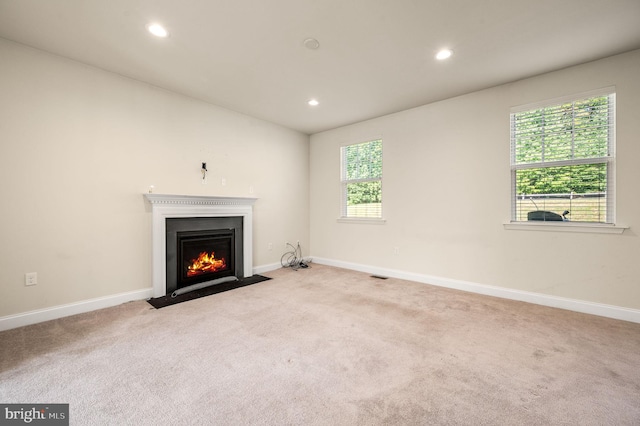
(361, 178)
(562, 160)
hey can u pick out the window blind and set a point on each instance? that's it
(361, 180)
(562, 159)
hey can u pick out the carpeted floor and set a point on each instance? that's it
(326, 346)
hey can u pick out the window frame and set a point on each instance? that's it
(344, 182)
(609, 224)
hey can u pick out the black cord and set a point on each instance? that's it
(293, 259)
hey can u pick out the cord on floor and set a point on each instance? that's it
(293, 259)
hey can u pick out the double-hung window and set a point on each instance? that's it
(361, 180)
(563, 160)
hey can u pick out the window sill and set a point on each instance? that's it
(594, 228)
(361, 220)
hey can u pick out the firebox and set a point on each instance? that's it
(204, 256)
(201, 249)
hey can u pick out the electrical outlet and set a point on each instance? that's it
(270, 246)
(31, 278)
(396, 250)
(223, 181)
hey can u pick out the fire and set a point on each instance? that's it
(205, 263)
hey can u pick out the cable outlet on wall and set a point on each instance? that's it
(31, 278)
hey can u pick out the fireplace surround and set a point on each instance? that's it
(197, 209)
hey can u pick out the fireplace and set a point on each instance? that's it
(199, 220)
(201, 249)
(203, 256)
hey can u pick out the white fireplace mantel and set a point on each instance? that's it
(165, 206)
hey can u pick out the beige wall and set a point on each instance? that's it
(447, 194)
(79, 147)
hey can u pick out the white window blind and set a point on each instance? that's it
(563, 160)
(361, 180)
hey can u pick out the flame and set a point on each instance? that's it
(205, 263)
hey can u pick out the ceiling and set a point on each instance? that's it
(375, 57)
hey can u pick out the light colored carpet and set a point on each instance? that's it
(329, 346)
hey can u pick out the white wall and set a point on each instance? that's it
(78, 148)
(446, 194)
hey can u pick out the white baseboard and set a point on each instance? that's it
(266, 268)
(55, 312)
(609, 311)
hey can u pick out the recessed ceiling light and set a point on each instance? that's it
(313, 102)
(311, 43)
(157, 30)
(443, 54)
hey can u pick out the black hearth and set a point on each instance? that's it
(202, 249)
